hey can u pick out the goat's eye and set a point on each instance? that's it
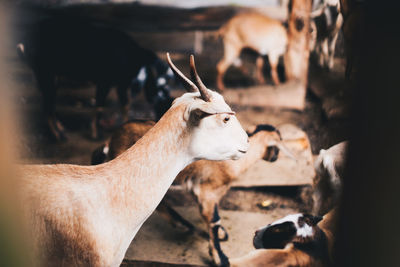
(226, 119)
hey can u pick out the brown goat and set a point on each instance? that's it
(208, 180)
(256, 31)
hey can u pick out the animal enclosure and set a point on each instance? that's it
(111, 108)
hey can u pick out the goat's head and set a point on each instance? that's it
(272, 141)
(294, 228)
(272, 137)
(216, 133)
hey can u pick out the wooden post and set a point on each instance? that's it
(296, 57)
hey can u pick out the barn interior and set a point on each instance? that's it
(313, 109)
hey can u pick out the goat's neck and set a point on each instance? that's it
(255, 152)
(147, 169)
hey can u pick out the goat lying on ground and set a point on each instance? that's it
(327, 186)
(256, 31)
(296, 240)
(208, 181)
(327, 22)
(88, 215)
(82, 51)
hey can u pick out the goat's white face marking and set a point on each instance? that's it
(303, 231)
(218, 135)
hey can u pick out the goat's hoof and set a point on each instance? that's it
(221, 260)
(222, 234)
(224, 261)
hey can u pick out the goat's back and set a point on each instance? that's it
(256, 31)
(127, 135)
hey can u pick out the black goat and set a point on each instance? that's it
(83, 51)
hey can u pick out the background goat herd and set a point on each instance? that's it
(241, 111)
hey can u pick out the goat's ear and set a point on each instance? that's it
(197, 111)
(312, 220)
(195, 115)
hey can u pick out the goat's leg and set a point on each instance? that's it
(122, 91)
(273, 61)
(209, 212)
(101, 94)
(260, 74)
(222, 66)
(324, 57)
(230, 54)
(215, 227)
(47, 87)
(331, 50)
(173, 217)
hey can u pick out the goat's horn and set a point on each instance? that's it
(196, 78)
(188, 84)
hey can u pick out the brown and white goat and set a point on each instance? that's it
(327, 186)
(88, 215)
(208, 181)
(295, 240)
(265, 35)
(327, 22)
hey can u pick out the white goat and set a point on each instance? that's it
(88, 215)
(208, 181)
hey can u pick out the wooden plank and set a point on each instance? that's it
(287, 95)
(178, 42)
(285, 171)
(136, 17)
